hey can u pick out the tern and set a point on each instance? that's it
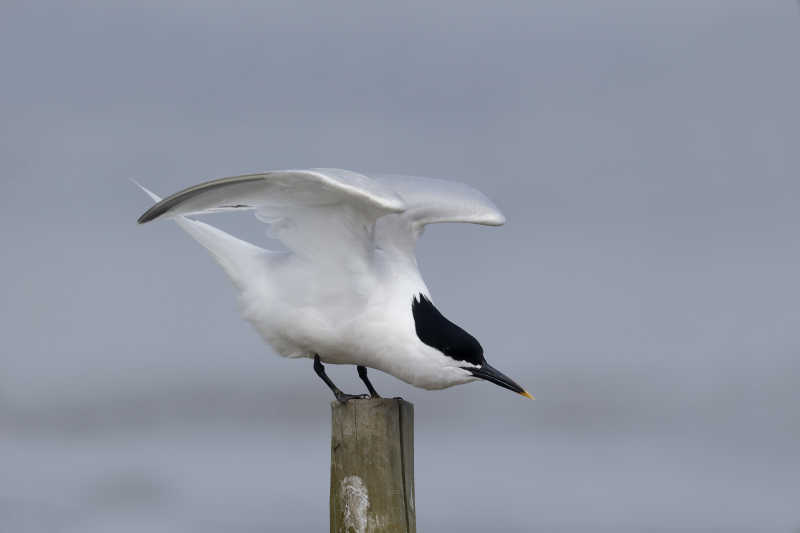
(347, 289)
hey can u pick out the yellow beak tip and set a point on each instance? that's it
(527, 395)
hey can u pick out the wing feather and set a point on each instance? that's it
(430, 201)
(310, 209)
(282, 188)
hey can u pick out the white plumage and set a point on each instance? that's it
(348, 289)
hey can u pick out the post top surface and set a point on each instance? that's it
(371, 402)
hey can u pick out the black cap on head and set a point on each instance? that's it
(437, 332)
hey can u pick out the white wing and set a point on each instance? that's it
(430, 200)
(310, 210)
(280, 188)
(307, 209)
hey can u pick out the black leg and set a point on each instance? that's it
(341, 396)
(362, 373)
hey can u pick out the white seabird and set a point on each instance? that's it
(348, 290)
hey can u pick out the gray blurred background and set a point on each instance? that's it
(645, 288)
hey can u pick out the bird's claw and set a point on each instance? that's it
(344, 397)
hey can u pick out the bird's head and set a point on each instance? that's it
(439, 333)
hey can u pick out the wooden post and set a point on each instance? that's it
(372, 466)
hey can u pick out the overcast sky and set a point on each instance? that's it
(646, 157)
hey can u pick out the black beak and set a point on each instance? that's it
(490, 373)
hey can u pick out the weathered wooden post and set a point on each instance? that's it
(372, 466)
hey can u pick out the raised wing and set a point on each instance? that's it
(330, 214)
(276, 189)
(430, 200)
(307, 210)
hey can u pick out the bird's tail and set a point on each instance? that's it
(239, 259)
